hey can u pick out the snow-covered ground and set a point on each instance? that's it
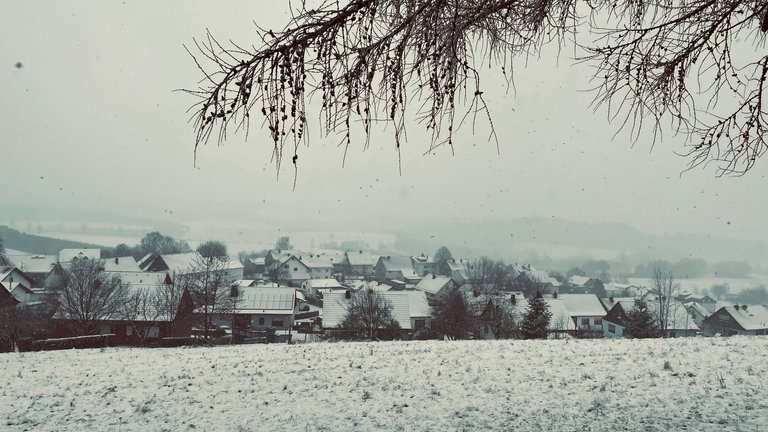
(708, 384)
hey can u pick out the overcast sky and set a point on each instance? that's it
(90, 119)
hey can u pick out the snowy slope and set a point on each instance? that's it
(556, 385)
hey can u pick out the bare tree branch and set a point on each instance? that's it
(693, 65)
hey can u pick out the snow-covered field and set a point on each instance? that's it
(708, 384)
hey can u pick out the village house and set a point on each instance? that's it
(530, 280)
(457, 269)
(321, 266)
(435, 287)
(737, 320)
(583, 285)
(35, 266)
(186, 263)
(396, 268)
(585, 311)
(615, 321)
(697, 312)
(679, 321)
(275, 258)
(292, 272)
(323, 286)
(358, 264)
(257, 309)
(18, 284)
(148, 311)
(409, 309)
(423, 264)
(70, 254)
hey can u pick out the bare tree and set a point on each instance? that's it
(665, 289)
(501, 317)
(488, 276)
(656, 63)
(210, 285)
(367, 312)
(87, 295)
(560, 324)
(144, 310)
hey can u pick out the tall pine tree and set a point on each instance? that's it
(641, 322)
(536, 320)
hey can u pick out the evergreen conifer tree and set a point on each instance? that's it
(4, 261)
(641, 322)
(450, 315)
(536, 320)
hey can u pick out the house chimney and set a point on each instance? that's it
(554, 294)
(611, 299)
(736, 307)
(117, 260)
(513, 299)
(433, 276)
(744, 307)
(347, 295)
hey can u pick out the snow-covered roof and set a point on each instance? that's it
(394, 263)
(583, 305)
(335, 308)
(610, 302)
(699, 308)
(418, 304)
(67, 255)
(181, 262)
(424, 259)
(141, 279)
(753, 317)
(322, 283)
(266, 300)
(578, 280)
(561, 316)
(318, 261)
(31, 263)
(432, 284)
(361, 258)
(126, 263)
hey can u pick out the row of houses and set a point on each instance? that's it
(257, 306)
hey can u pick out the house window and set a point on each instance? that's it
(585, 321)
(261, 321)
(598, 321)
(611, 328)
(419, 324)
(295, 269)
(277, 323)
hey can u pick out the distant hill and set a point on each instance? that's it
(555, 236)
(20, 241)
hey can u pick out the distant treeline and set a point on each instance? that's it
(36, 244)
